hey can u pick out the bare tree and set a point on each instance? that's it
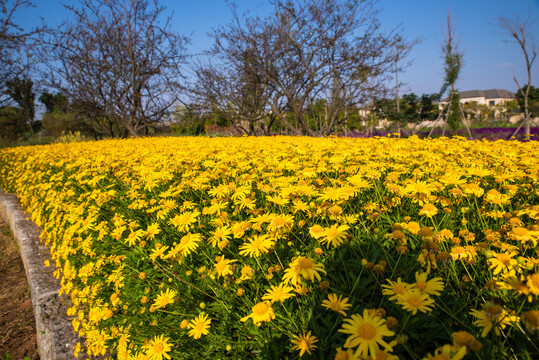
(14, 41)
(118, 63)
(519, 31)
(312, 52)
(235, 86)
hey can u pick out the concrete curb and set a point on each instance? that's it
(56, 337)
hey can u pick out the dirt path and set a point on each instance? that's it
(17, 325)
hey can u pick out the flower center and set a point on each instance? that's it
(164, 301)
(366, 331)
(305, 264)
(520, 231)
(493, 311)
(415, 301)
(260, 308)
(420, 285)
(332, 233)
(256, 244)
(504, 259)
(157, 348)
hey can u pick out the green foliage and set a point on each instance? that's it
(12, 124)
(413, 109)
(533, 99)
(57, 102)
(428, 107)
(453, 63)
(511, 106)
(454, 119)
(186, 120)
(477, 113)
(57, 122)
(9, 356)
(409, 105)
(386, 108)
(20, 90)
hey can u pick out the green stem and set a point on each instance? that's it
(405, 322)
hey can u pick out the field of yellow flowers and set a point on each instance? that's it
(289, 247)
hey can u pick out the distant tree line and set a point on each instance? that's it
(311, 67)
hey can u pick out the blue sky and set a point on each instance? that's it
(489, 61)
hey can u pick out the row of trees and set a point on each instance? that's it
(116, 69)
(414, 109)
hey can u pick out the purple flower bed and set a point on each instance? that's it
(358, 134)
(492, 134)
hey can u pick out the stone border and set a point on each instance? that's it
(56, 337)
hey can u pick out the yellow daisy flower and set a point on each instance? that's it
(502, 262)
(395, 288)
(188, 243)
(432, 287)
(281, 222)
(316, 231)
(366, 332)
(304, 343)
(220, 234)
(302, 267)
(414, 300)
(223, 267)
(152, 230)
(199, 326)
(337, 304)
(158, 348)
(256, 246)
(334, 235)
(347, 354)
(158, 252)
(260, 312)
(429, 210)
(493, 316)
(164, 298)
(280, 293)
(185, 220)
(447, 352)
(247, 272)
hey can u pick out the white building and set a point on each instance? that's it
(490, 97)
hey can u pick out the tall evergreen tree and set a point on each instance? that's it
(21, 92)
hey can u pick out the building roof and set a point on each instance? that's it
(488, 94)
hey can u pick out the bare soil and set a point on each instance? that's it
(18, 339)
